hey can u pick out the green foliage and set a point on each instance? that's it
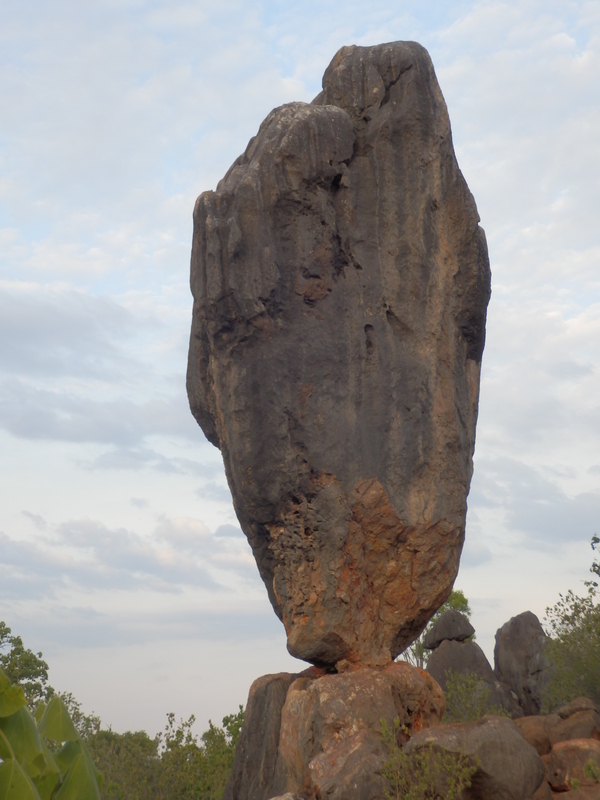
(171, 766)
(573, 625)
(592, 770)
(49, 747)
(468, 698)
(429, 774)
(23, 667)
(415, 653)
(42, 757)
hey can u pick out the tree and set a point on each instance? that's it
(173, 765)
(24, 667)
(415, 653)
(573, 625)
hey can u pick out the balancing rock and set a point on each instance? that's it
(340, 282)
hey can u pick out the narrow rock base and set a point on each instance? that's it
(319, 735)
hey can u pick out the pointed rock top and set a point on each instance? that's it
(451, 625)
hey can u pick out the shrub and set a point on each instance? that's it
(468, 698)
(429, 774)
(573, 625)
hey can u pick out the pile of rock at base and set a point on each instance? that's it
(566, 741)
(318, 735)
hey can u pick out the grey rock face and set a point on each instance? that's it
(509, 768)
(451, 625)
(520, 662)
(340, 283)
(468, 658)
(256, 752)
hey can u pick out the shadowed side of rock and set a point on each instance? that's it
(340, 283)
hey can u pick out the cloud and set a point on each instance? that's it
(33, 413)
(536, 507)
(38, 521)
(134, 458)
(228, 531)
(214, 491)
(45, 331)
(88, 556)
(139, 502)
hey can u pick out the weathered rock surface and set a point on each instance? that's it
(468, 658)
(576, 705)
(451, 625)
(509, 768)
(520, 662)
(542, 732)
(340, 283)
(324, 739)
(566, 763)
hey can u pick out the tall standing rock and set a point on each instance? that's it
(340, 283)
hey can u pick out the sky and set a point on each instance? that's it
(120, 554)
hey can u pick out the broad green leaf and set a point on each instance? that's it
(46, 785)
(22, 733)
(6, 750)
(80, 782)
(56, 724)
(66, 756)
(14, 783)
(51, 765)
(70, 753)
(39, 711)
(11, 697)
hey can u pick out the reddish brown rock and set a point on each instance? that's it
(328, 740)
(544, 792)
(583, 793)
(340, 283)
(566, 763)
(538, 731)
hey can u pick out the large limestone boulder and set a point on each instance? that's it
(520, 662)
(340, 282)
(319, 735)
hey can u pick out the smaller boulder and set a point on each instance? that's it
(583, 724)
(542, 732)
(508, 767)
(451, 625)
(566, 763)
(579, 704)
(520, 662)
(468, 658)
(539, 731)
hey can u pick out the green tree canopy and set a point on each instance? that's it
(24, 667)
(573, 625)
